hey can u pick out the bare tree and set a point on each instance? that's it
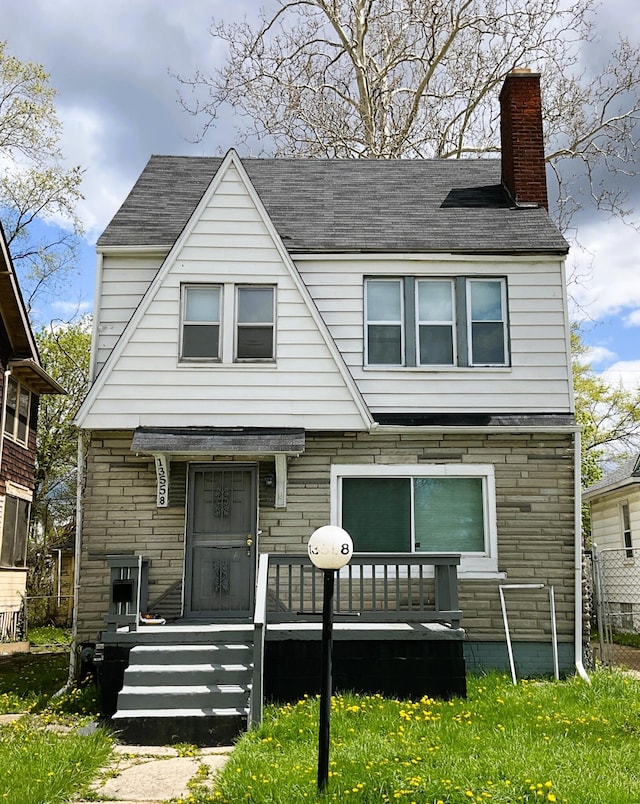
(419, 78)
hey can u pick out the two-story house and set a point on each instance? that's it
(22, 382)
(383, 345)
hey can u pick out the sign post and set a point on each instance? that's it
(330, 548)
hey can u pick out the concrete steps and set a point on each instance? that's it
(186, 693)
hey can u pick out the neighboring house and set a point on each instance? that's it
(614, 502)
(22, 382)
(280, 344)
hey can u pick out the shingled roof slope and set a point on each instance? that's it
(356, 205)
(627, 471)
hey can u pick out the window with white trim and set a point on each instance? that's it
(17, 411)
(415, 321)
(420, 509)
(15, 526)
(255, 322)
(626, 529)
(201, 320)
(227, 323)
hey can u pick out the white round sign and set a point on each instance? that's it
(330, 547)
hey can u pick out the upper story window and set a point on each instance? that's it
(17, 411)
(626, 529)
(413, 321)
(255, 317)
(227, 323)
(486, 322)
(201, 318)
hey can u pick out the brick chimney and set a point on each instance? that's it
(522, 143)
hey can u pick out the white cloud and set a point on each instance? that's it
(597, 355)
(633, 319)
(104, 187)
(611, 261)
(625, 373)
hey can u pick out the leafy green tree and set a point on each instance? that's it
(64, 353)
(35, 183)
(610, 419)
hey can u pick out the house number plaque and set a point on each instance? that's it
(162, 475)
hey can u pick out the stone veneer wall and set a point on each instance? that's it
(535, 517)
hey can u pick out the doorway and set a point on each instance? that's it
(221, 541)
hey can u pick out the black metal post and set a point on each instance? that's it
(325, 686)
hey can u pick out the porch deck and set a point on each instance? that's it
(396, 631)
(189, 633)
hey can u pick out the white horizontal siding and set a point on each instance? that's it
(147, 384)
(538, 379)
(606, 518)
(123, 284)
(230, 243)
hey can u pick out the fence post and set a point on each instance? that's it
(598, 592)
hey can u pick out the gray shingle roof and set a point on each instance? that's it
(627, 470)
(355, 205)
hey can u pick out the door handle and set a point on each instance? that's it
(249, 540)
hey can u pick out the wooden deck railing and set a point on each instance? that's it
(373, 587)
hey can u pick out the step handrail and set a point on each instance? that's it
(259, 629)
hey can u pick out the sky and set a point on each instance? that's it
(113, 64)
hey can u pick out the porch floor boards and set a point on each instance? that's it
(189, 633)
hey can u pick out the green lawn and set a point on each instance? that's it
(43, 758)
(536, 742)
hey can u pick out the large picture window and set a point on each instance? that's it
(411, 321)
(18, 411)
(15, 525)
(409, 509)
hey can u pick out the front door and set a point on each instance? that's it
(221, 528)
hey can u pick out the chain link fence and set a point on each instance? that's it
(616, 605)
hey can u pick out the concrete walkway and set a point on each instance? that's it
(141, 774)
(154, 774)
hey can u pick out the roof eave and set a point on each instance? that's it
(35, 377)
(163, 248)
(589, 494)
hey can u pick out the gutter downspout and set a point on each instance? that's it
(578, 558)
(73, 653)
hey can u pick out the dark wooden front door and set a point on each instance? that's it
(221, 541)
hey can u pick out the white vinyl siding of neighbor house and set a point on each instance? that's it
(538, 377)
(607, 521)
(146, 385)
